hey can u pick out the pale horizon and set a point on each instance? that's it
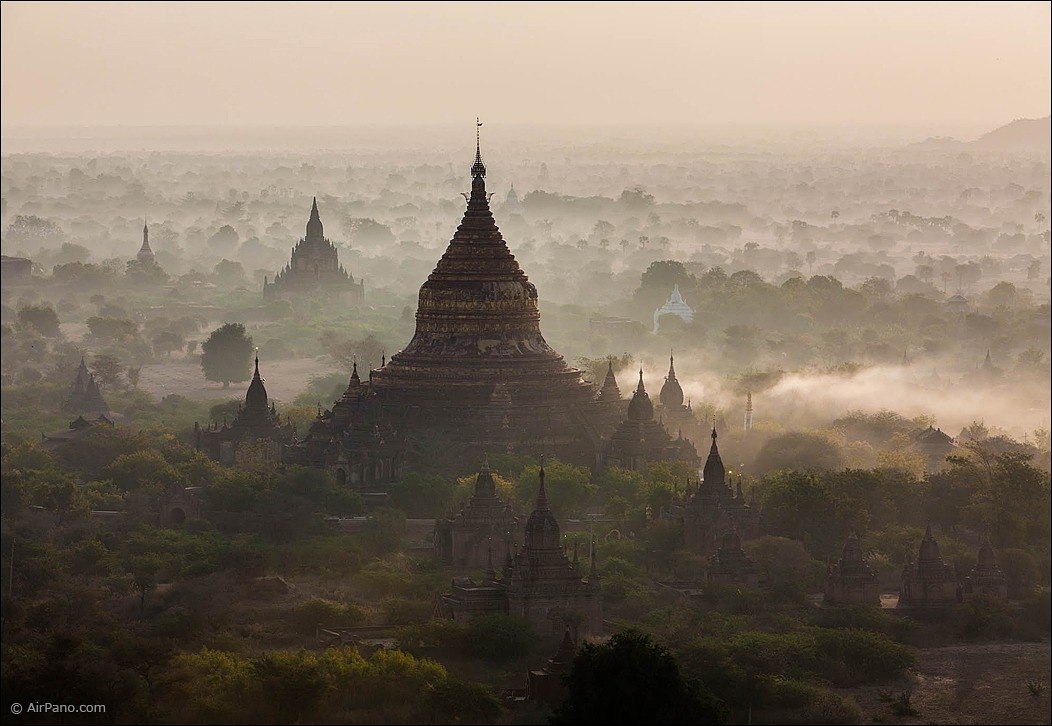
(100, 65)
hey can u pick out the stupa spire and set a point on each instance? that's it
(478, 169)
(542, 494)
(315, 230)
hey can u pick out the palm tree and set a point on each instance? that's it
(834, 215)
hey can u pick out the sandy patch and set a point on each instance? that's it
(970, 684)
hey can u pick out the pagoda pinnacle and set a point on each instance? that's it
(315, 230)
(542, 494)
(478, 169)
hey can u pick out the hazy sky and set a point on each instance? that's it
(609, 63)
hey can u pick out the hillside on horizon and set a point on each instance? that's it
(1024, 134)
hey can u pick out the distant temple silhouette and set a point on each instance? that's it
(314, 268)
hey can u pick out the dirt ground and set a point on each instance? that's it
(970, 684)
(285, 379)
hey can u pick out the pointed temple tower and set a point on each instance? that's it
(257, 423)
(730, 565)
(539, 583)
(145, 255)
(929, 583)
(363, 447)
(481, 532)
(314, 269)
(987, 577)
(611, 406)
(639, 438)
(546, 685)
(851, 581)
(478, 354)
(712, 507)
(84, 396)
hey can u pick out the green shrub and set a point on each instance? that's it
(499, 637)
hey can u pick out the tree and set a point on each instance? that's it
(25, 229)
(165, 341)
(108, 370)
(41, 318)
(876, 288)
(107, 330)
(365, 231)
(798, 450)
(366, 351)
(229, 272)
(499, 637)
(227, 355)
(70, 252)
(225, 240)
(631, 680)
(384, 530)
(143, 571)
(133, 376)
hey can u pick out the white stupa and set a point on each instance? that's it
(675, 305)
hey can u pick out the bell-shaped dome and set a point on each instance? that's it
(640, 408)
(671, 395)
(542, 531)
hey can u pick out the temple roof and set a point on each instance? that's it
(987, 559)
(256, 397)
(640, 408)
(852, 551)
(929, 548)
(714, 473)
(315, 230)
(610, 392)
(542, 530)
(676, 304)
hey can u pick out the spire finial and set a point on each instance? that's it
(542, 494)
(478, 169)
(256, 374)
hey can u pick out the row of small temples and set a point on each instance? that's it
(365, 446)
(928, 583)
